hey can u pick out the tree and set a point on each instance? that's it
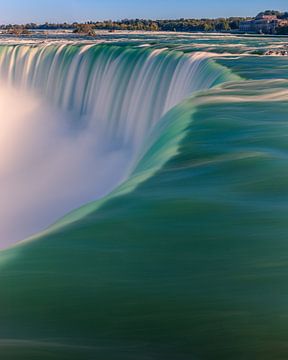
(154, 26)
(282, 30)
(208, 27)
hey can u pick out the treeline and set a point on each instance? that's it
(221, 24)
(181, 25)
(188, 25)
(45, 26)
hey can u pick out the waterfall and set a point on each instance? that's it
(92, 108)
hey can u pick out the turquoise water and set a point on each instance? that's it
(186, 256)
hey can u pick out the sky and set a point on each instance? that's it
(23, 11)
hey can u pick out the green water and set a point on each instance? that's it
(192, 263)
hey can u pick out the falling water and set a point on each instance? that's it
(81, 116)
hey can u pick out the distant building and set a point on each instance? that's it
(266, 24)
(247, 26)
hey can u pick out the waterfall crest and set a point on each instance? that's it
(93, 108)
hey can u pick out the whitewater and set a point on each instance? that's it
(143, 197)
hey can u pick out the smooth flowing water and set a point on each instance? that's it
(143, 187)
(82, 114)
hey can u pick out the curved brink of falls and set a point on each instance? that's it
(107, 102)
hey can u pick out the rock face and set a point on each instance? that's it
(84, 29)
(18, 31)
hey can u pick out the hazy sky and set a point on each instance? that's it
(17, 11)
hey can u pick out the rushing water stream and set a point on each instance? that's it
(144, 198)
(82, 115)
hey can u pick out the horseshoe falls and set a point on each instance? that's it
(144, 197)
(100, 104)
